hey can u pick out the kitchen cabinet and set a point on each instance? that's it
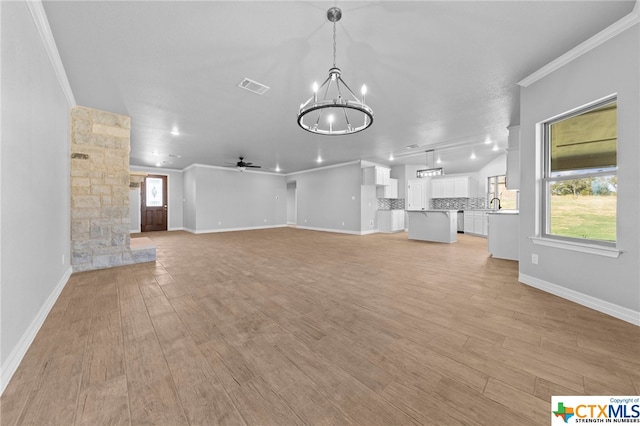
(376, 175)
(416, 194)
(504, 231)
(389, 191)
(450, 187)
(390, 220)
(513, 159)
(476, 222)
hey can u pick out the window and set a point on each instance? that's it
(580, 175)
(154, 192)
(497, 188)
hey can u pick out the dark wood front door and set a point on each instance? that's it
(154, 203)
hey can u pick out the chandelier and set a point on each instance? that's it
(337, 110)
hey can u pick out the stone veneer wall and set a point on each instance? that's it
(99, 189)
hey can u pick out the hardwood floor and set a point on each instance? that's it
(288, 326)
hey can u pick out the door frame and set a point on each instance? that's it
(143, 196)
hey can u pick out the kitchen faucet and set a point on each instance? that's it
(495, 198)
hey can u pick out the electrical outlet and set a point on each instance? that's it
(534, 259)
(371, 223)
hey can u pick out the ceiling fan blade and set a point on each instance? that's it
(255, 167)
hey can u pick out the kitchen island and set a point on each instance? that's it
(433, 225)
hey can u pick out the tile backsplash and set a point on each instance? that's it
(390, 203)
(458, 203)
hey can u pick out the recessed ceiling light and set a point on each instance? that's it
(155, 153)
(495, 147)
(438, 161)
(473, 156)
(319, 160)
(390, 157)
(277, 168)
(175, 131)
(158, 164)
(487, 141)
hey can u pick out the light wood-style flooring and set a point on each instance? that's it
(288, 326)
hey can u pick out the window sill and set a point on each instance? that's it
(579, 247)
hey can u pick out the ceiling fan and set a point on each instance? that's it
(241, 165)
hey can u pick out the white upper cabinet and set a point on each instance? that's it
(389, 191)
(513, 159)
(376, 175)
(416, 194)
(450, 187)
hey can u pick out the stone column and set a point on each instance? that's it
(99, 189)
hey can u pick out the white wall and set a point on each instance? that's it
(228, 200)
(175, 195)
(190, 201)
(134, 209)
(291, 203)
(368, 209)
(607, 284)
(34, 181)
(329, 197)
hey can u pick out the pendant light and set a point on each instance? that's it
(430, 170)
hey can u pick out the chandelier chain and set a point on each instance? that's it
(334, 44)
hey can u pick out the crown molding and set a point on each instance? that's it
(44, 30)
(323, 168)
(608, 33)
(231, 169)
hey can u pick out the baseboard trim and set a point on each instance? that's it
(10, 366)
(247, 228)
(617, 311)
(337, 231)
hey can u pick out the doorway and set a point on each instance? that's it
(154, 203)
(292, 205)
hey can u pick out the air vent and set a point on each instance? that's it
(253, 86)
(414, 146)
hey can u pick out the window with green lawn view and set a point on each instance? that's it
(580, 175)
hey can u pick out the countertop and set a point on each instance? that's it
(504, 211)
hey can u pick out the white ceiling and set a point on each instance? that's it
(440, 74)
